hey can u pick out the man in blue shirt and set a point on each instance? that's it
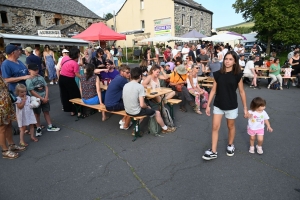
(13, 71)
(113, 97)
(111, 73)
(31, 58)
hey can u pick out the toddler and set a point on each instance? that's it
(25, 115)
(256, 123)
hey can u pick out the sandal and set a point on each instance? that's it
(198, 112)
(9, 154)
(72, 114)
(34, 139)
(23, 144)
(16, 148)
(27, 132)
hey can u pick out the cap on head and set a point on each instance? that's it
(28, 49)
(10, 48)
(33, 66)
(65, 51)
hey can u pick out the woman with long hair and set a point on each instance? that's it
(152, 80)
(274, 73)
(90, 88)
(147, 55)
(68, 87)
(194, 89)
(295, 63)
(49, 59)
(226, 81)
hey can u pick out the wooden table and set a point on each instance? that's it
(262, 68)
(160, 91)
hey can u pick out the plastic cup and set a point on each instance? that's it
(148, 89)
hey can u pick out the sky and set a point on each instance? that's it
(224, 14)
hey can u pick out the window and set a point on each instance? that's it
(182, 19)
(142, 4)
(4, 17)
(201, 24)
(191, 21)
(183, 8)
(57, 21)
(201, 13)
(37, 20)
(143, 24)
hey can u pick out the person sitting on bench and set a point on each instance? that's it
(133, 98)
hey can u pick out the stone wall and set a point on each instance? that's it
(203, 26)
(22, 20)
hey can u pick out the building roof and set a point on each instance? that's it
(193, 4)
(68, 7)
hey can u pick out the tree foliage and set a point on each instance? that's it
(108, 16)
(275, 20)
(239, 29)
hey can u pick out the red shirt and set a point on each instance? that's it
(167, 54)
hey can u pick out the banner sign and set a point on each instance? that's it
(49, 33)
(162, 27)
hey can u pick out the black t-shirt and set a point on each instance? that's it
(226, 97)
(259, 63)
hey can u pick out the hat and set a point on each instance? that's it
(33, 66)
(28, 49)
(109, 62)
(162, 64)
(10, 48)
(180, 69)
(65, 51)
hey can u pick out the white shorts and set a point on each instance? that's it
(229, 114)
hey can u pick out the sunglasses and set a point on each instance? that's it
(127, 72)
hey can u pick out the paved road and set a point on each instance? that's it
(91, 159)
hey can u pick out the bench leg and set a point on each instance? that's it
(136, 126)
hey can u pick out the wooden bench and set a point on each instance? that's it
(100, 108)
(171, 102)
(206, 85)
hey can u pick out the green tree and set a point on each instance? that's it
(108, 16)
(275, 20)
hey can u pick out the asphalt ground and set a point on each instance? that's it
(91, 159)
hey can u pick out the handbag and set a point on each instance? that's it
(178, 87)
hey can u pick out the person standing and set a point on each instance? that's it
(192, 53)
(31, 58)
(50, 64)
(13, 71)
(226, 82)
(68, 87)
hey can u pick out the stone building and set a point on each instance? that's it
(26, 17)
(189, 15)
(140, 19)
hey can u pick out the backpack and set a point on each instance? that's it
(153, 127)
(275, 86)
(167, 117)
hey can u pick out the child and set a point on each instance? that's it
(24, 112)
(287, 72)
(256, 123)
(226, 81)
(37, 87)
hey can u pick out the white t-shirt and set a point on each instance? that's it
(242, 63)
(242, 50)
(185, 50)
(174, 52)
(198, 46)
(248, 67)
(220, 55)
(236, 49)
(257, 121)
(224, 51)
(156, 51)
(131, 93)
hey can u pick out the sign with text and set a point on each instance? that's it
(49, 33)
(162, 27)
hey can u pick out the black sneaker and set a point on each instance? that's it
(256, 87)
(230, 150)
(209, 155)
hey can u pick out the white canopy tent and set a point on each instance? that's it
(222, 38)
(167, 39)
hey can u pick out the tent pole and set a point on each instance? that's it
(126, 52)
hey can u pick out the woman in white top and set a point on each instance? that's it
(193, 87)
(220, 54)
(152, 81)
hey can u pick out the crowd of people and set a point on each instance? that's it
(80, 76)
